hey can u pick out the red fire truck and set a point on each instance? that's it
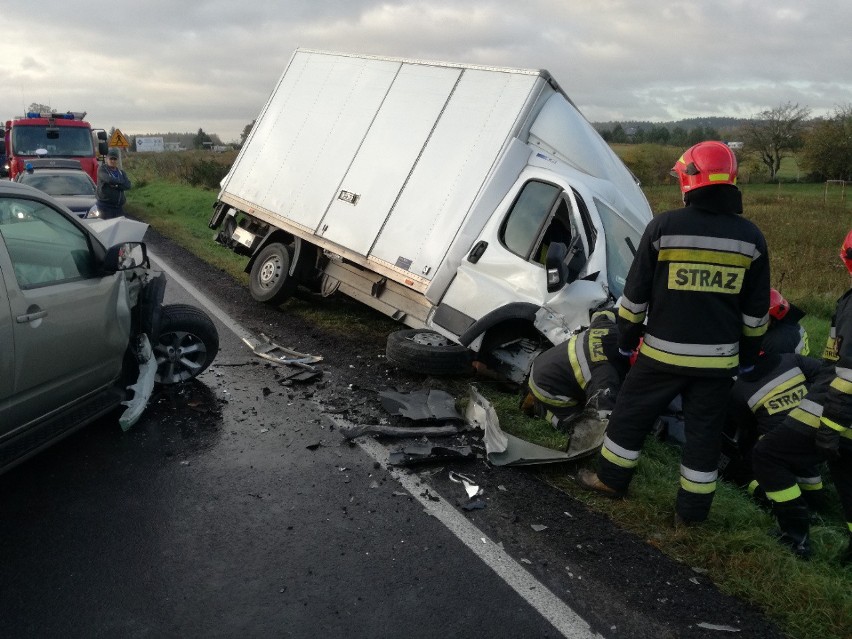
(54, 135)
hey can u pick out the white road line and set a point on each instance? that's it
(535, 593)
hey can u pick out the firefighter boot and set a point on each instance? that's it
(589, 480)
(794, 522)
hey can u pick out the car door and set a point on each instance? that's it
(7, 350)
(69, 322)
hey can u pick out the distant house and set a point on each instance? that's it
(736, 146)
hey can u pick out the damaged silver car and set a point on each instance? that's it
(83, 328)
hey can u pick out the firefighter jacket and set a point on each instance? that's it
(761, 400)
(785, 337)
(701, 276)
(561, 374)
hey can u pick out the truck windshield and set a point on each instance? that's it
(67, 142)
(622, 240)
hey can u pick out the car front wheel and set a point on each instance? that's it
(187, 345)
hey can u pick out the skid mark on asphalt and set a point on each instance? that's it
(536, 594)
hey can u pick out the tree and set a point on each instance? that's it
(35, 107)
(773, 133)
(827, 152)
(246, 130)
(201, 140)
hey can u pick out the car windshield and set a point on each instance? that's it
(68, 141)
(58, 185)
(622, 240)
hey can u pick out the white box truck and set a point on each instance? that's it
(474, 204)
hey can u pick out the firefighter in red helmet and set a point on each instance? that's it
(818, 429)
(785, 333)
(701, 276)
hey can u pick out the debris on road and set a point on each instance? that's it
(427, 453)
(470, 488)
(421, 405)
(267, 349)
(351, 431)
(713, 626)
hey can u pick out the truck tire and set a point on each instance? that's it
(270, 281)
(187, 344)
(424, 351)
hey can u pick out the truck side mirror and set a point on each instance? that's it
(554, 265)
(126, 256)
(103, 148)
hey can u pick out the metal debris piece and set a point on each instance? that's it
(713, 626)
(351, 431)
(538, 527)
(267, 349)
(470, 488)
(425, 404)
(426, 453)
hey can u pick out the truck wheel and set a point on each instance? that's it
(428, 352)
(187, 344)
(270, 280)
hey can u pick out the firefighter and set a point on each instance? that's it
(759, 402)
(785, 333)
(580, 378)
(820, 428)
(701, 275)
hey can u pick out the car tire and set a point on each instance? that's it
(270, 281)
(187, 344)
(427, 352)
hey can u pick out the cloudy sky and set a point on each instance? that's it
(177, 65)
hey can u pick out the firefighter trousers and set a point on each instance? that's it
(778, 456)
(644, 396)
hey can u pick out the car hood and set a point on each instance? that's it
(117, 230)
(76, 202)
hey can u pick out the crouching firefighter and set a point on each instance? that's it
(820, 428)
(701, 275)
(760, 401)
(574, 384)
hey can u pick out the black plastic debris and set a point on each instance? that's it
(424, 404)
(426, 453)
(302, 377)
(474, 504)
(351, 431)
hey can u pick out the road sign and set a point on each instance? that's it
(118, 140)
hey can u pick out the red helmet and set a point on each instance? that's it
(778, 306)
(846, 252)
(706, 164)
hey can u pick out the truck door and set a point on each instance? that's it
(506, 264)
(69, 323)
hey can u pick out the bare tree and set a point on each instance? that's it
(774, 133)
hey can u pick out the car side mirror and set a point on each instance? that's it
(126, 256)
(554, 265)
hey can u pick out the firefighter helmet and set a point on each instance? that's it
(778, 306)
(846, 252)
(705, 164)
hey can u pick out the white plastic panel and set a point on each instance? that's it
(309, 133)
(481, 116)
(395, 140)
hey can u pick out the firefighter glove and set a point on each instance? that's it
(827, 442)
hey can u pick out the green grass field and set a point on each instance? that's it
(810, 600)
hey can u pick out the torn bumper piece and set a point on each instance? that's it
(421, 405)
(143, 387)
(501, 448)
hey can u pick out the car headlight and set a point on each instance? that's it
(93, 212)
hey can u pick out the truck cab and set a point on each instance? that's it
(51, 135)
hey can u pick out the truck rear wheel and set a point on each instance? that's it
(427, 352)
(270, 281)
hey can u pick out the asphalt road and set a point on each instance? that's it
(234, 508)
